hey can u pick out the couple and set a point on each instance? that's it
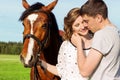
(84, 56)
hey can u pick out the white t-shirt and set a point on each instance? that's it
(67, 62)
(107, 41)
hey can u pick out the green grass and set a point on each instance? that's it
(12, 69)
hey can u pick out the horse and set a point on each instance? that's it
(41, 39)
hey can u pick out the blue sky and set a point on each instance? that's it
(10, 10)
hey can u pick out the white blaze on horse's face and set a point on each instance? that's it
(32, 18)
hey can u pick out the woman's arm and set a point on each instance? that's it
(50, 68)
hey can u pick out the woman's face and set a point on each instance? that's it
(80, 27)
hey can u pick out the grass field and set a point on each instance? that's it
(12, 69)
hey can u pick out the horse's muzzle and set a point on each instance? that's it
(30, 62)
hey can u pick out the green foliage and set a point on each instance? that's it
(10, 47)
(12, 69)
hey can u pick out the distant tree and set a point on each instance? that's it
(10, 47)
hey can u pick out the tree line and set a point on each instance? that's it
(13, 48)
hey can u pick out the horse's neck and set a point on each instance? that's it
(51, 52)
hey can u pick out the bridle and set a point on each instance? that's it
(41, 45)
(47, 35)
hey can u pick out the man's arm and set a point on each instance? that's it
(87, 65)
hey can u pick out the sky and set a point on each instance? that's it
(10, 10)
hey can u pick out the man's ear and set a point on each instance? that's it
(99, 18)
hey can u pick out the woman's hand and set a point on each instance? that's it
(76, 39)
(43, 64)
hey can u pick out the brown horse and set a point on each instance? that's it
(41, 39)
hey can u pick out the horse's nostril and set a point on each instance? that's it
(31, 59)
(26, 66)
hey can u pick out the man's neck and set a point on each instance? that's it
(105, 23)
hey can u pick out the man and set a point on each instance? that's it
(103, 60)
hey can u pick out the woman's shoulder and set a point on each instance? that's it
(65, 43)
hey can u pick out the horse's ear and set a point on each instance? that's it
(50, 6)
(25, 4)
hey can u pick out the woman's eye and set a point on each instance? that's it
(76, 25)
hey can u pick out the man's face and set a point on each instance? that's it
(91, 23)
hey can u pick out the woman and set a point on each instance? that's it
(67, 67)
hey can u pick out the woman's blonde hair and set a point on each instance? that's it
(68, 22)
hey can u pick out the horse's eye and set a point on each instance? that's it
(44, 26)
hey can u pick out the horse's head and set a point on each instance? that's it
(37, 21)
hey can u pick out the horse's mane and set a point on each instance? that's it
(51, 52)
(33, 8)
